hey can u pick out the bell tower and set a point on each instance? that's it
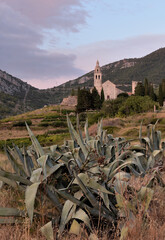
(98, 78)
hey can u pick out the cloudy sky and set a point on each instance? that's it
(48, 42)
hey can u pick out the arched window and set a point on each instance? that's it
(97, 70)
(96, 76)
(108, 97)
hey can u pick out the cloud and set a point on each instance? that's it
(114, 50)
(19, 51)
(59, 14)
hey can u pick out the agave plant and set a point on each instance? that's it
(89, 173)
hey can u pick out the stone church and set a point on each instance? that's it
(109, 88)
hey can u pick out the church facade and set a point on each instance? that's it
(109, 88)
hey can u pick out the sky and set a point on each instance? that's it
(49, 42)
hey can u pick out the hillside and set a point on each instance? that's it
(18, 96)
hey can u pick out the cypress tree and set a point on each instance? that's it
(102, 96)
(96, 101)
(160, 98)
(146, 87)
(151, 93)
(139, 89)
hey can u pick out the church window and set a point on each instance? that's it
(99, 76)
(97, 70)
(108, 97)
(96, 76)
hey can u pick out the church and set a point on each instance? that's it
(109, 88)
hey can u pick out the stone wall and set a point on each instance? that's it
(69, 101)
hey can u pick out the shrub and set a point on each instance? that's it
(111, 107)
(22, 123)
(136, 104)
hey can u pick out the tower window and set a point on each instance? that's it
(96, 76)
(99, 76)
(97, 70)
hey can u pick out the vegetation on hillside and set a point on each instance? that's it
(88, 184)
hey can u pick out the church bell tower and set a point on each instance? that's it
(98, 78)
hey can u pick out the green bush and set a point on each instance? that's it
(59, 124)
(95, 117)
(22, 123)
(111, 107)
(136, 104)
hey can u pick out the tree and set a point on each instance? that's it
(151, 93)
(163, 88)
(96, 101)
(139, 89)
(102, 96)
(146, 87)
(160, 98)
(84, 100)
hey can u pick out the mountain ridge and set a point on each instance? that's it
(26, 97)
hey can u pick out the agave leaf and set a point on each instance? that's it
(53, 169)
(86, 191)
(7, 212)
(35, 143)
(127, 163)
(67, 213)
(78, 128)
(122, 176)
(14, 177)
(89, 182)
(100, 130)
(9, 182)
(147, 141)
(78, 138)
(42, 162)
(53, 148)
(15, 165)
(110, 153)
(105, 198)
(68, 210)
(30, 195)
(86, 130)
(10, 220)
(75, 228)
(36, 174)
(47, 231)
(81, 215)
(152, 158)
(28, 163)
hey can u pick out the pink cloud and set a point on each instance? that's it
(62, 14)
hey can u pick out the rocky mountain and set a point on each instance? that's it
(17, 96)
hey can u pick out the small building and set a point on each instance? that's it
(69, 101)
